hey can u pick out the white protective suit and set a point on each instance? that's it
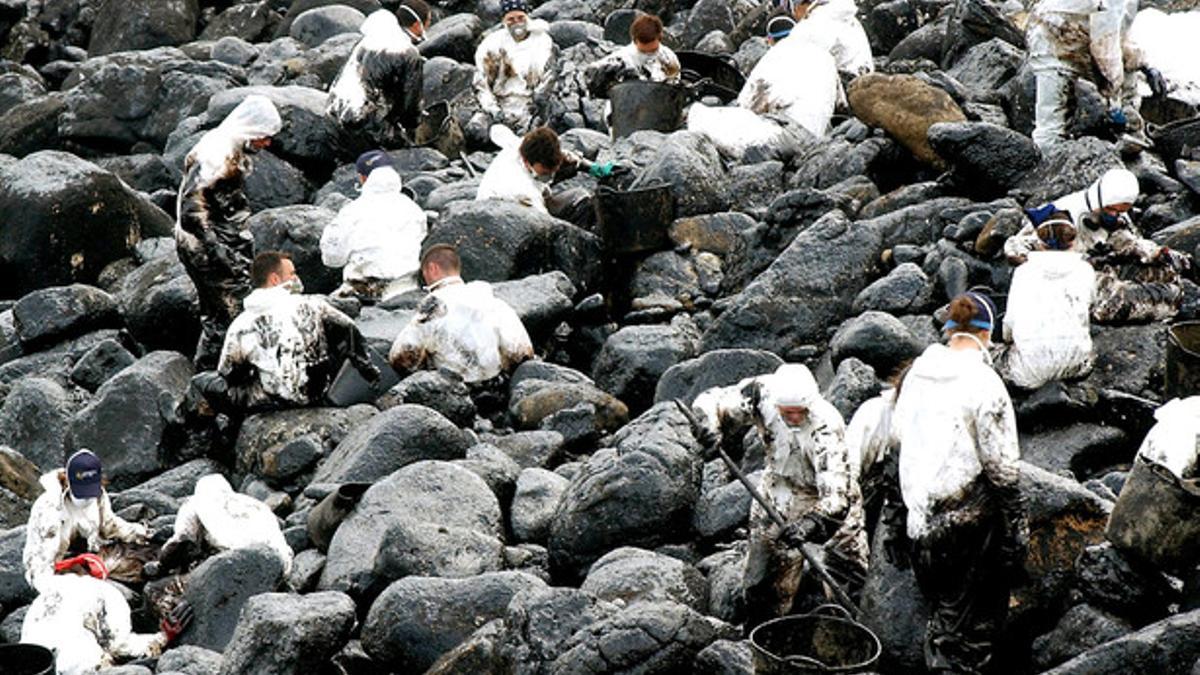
(1048, 320)
(954, 421)
(280, 334)
(1174, 442)
(659, 66)
(227, 520)
(869, 435)
(508, 74)
(381, 81)
(56, 519)
(1168, 43)
(463, 328)
(377, 237)
(834, 26)
(86, 622)
(507, 178)
(1076, 38)
(797, 79)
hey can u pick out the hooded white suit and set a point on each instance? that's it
(227, 520)
(509, 74)
(507, 178)
(834, 25)
(377, 237)
(1174, 442)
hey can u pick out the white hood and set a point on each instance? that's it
(253, 118)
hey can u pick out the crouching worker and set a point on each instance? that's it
(285, 348)
(808, 479)
(462, 328)
(965, 519)
(216, 519)
(376, 239)
(87, 623)
(71, 522)
(526, 167)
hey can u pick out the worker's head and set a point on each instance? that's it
(779, 27)
(646, 31)
(1112, 195)
(541, 151)
(515, 17)
(275, 268)
(972, 314)
(1057, 232)
(84, 475)
(793, 392)
(797, 8)
(369, 161)
(413, 16)
(439, 262)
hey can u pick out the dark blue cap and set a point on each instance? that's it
(83, 474)
(371, 160)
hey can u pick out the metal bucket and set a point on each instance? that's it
(635, 220)
(26, 659)
(641, 105)
(724, 80)
(826, 640)
(438, 129)
(1157, 518)
(1182, 377)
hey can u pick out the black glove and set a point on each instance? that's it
(707, 438)
(811, 528)
(177, 621)
(1158, 84)
(895, 551)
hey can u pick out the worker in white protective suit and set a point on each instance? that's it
(86, 622)
(644, 58)
(834, 26)
(965, 530)
(808, 478)
(1168, 45)
(376, 239)
(1087, 39)
(210, 234)
(872, 454)
(513, 69)
(285, 349)
(74, 515)
(1096, 212)
(377, 94)
(1048, 320)
(460, 327)
(218, 519)
(1174, 441)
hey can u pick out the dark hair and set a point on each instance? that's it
(265, 264)
(968, 311)
(540, 146)
(418, 7)
(646, 28)
(444, 256)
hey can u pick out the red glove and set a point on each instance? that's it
(90, 562)
(177, 621)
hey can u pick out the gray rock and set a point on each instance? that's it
(34, 418)
(476, 654)
(48, 197)
(1128, 588)
(234, 50)
(496, 468)
(723, 509)
(531, 449)
(33, 125)
(539, 622)
(282, 633)
(987, 66)
(437, 390)
(429, 518)
(895, 610)
(640, 493)
(1080, 449)
(125, 422)
(633, 575)
(454, 36)
(317, 25)
(160, 305)
(417, 619)
(1065, 168)
(142, 24)
(308, 138)
(715, 232)
(306, 570)
(52, 314)
(100, 363)
(852, 384)
(724, 571)
(1129, 359)
(251, 22)
(190, 661)
(264, 436)
(707, 16)
(14, 591)
(275, 183)
(1169, 646)
(537, 496)
(297, 230)
(635, 357)
(19, 87)
(689, 162)
(1183, 236)
(219, 589)
(542, 301)
(989, 159)
(880, 340)
(391, 440)
(180, 481)
(718, 368)
(1080, 629)
(725, 657)
(144, 172)
(533, 401)
(904, 290)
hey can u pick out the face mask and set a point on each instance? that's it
(518, 31)
(293, 286)
(416, 39)
(1109, 221)
(77, 501)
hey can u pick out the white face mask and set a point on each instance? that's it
(518, 31)
(77, 501)
(293, 286)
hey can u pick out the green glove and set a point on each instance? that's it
(601, 170)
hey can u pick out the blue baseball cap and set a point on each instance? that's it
(84, 474)
(371, 160)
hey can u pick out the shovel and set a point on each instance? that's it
(840, 595)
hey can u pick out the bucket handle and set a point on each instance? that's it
(831, 609)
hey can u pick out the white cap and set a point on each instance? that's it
(1116, 186)
(792, 384)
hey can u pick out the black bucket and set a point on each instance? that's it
(26, 659)
(635, 220)
(1176, 139)
(719, 73)
(325, 517)
(438, 129)
(826, 640)
(1157, 518)
(1182, 377)
(641, 105)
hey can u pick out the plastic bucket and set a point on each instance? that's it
(1182, 378)
(26, 659)
(724, 79)
(641, 105)
(1157, 518)
(826, 640)
(636, 220)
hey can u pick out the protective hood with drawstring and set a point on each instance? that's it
(797, 79)
(88, 625)
(1174, 441)
(219, 151)
(55, 520)
(227, 520)
(508, 178)
(463, 328)
(377, 237)
(834, 26)
(379, 88)
(954, 422)
(1048, 320)
(511, 76)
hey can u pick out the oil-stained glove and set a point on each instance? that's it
(177, 621)
(1158, 84)
(90, 562)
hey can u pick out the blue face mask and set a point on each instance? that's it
(1109, 221)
